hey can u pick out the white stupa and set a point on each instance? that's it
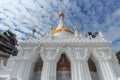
(63, 55)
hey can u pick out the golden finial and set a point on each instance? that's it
(45, 33)
(76, 28)
(51, 28)
(61, 14)
(33, 30)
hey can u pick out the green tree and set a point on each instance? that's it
(118, 55)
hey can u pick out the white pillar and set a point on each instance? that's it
(116, 67)
(49, 70)
(79, 65)
(50, 58)
(18, 70)
(80, 70)
(23, 67)
(105, 65)
(105, 71)
(28, 70)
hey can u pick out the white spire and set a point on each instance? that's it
(62, 30)
(76, 31)
(61, 15)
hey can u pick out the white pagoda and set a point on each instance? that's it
(63, 55)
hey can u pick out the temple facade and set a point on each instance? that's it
(63, 55)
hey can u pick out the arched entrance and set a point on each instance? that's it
(63, 68)
(38, 69)
(34, 64)
(92, 69)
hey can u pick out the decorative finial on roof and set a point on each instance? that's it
(45, 33)
(76, 31)
(51, 28)
(33, 30)
(80, 34)
(61, 14)
(76, 28)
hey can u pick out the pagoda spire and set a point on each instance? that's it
(61, 21)
(61, 28)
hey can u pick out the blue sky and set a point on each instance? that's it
(90, 15)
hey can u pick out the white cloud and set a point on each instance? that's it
(89, 15)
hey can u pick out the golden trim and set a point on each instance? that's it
(67, 30)
(60, 30)
(57, 31)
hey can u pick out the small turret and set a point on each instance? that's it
(33, 30)
(76, 31)
(51, 34)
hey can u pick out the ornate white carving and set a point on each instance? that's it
(103, 54)
(105, 63)
(78, 53)
(49, 53)
(36, 49)
(50, 57)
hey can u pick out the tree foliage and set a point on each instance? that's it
(118, 55)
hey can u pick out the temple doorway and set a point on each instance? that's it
(93, 70)
(63, 68)
(38, 69)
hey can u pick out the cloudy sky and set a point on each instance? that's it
(21, 16)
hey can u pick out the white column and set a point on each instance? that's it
(105, 71)
(79, 65)
(49, 70)
(23, 67)
(105, 64)
(50, 58)
(18, 70)
(116, 66)
(80, 70)
(28, 70)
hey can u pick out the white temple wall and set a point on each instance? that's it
(23, 64)
(107, 66)
(29, 69)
